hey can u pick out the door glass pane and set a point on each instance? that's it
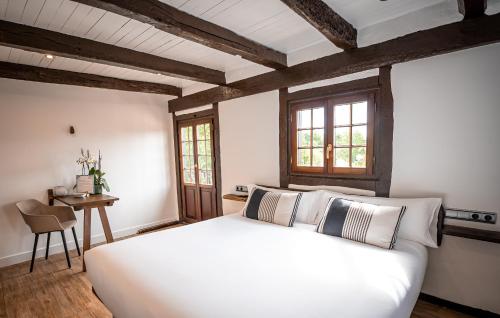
(341, 157)
(318, 117)
(208, 148)
(200, 132)
(209, 178)
(342, 114)
(358, 157)
(359, 135)
(201, 147)
(318, 157)
(341, 136)
(208, 134)
(360, 113)
(202, 162)
(304, 157)
(318, 137)
(188, 176)
(304, 138)
(203, 177)
(209, 163)
(304, 118)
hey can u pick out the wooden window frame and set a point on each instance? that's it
(378, 175)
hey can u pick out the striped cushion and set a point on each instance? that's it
(272, 207)
(361, 222)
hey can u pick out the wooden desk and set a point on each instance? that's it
(99, 201)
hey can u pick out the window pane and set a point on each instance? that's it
(304, 138)
(359, 113)
(209, 178)
(359, 135)
(209, 163)
(201, 147)
(188, 177)
(208, 147)
(318, 157)
(359, 157)
(187, 148)
(319, 117)
(342, 115)
(186, 162)
(202, 162)
(304, 118)
(341, 136)
(318, 137)
(341, 157)
(208, 135)
(203, 177)
(184, 134)
(304, 157)
(200, 132)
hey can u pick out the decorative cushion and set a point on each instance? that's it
(272, 207)
(361, 222)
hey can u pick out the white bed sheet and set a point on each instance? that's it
(237, 267)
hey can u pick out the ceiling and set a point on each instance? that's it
(268, 22)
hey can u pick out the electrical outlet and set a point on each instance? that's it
(240, 188)
(469, 215)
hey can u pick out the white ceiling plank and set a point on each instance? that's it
(63, 14)
(15, 10)
(75, 20)
(4, 53)
(106, 27)
(3, 8)
(144, 36)
(47, 13)
(31, 12)
(86, 24)
(129, 32)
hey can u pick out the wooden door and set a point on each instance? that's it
(197, 169)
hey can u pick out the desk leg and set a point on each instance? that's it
(87, 213)
(105, 224)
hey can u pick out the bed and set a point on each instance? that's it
(233, 266)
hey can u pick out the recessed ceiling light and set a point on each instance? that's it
(158, 74)
(49, 56)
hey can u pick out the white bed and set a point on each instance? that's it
(237, 267)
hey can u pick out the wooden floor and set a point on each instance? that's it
(53, 290)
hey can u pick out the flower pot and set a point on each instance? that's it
(97, 188)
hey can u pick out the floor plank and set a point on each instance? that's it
(53, 290)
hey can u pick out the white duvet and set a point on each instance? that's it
(237, 267)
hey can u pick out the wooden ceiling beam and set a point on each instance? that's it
(49, 42)
(325, 20)
(47, 75)
(174, 21)
(472, 8)
(440, 40)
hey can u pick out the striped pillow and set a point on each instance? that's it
(272, 207)
(362, 222)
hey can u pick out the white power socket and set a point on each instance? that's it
(469, 215)
(240, 188)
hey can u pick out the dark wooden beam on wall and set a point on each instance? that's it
(384, 125)
(283, 136)
(354, 86)
(325, 20)
(47, 75)
(49, 42)
(440, 40)
(174, 21)
(472, 8)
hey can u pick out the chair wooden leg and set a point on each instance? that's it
(65, 248)
(76, 241)
(34, 252)
(47, 248)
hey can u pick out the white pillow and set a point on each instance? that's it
(310, 204)
(419, 221)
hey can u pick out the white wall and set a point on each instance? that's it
(132, 130)
(445, 144)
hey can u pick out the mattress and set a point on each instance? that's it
(232, 266)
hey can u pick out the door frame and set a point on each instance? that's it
(213, 114)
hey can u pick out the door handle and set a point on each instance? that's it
(328, 149)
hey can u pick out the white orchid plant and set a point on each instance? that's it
(93, 167)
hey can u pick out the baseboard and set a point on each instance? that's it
(475, 312)
(58, 247)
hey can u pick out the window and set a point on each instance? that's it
(333, 136)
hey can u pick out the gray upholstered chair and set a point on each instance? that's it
(47, 219)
